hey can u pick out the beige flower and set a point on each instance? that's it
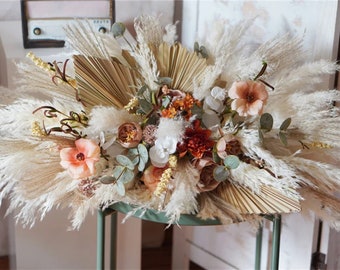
(249, 97)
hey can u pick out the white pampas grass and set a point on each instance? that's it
(170, 35)
(82, 38)
(170, 127)
(107, 120)
(148, 30)
(183, 198)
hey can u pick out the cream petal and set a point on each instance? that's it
(255, 108)
(79, 171)
(68, 154)
(240, 105)
(90, 164)
(88, 147)
(259, 91)
(238, 90)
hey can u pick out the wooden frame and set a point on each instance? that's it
(49, 42)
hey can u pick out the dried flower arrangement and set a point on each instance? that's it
(214, 131)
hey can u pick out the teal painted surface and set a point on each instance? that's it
(100, 239)
(258, 249)
(160, 217)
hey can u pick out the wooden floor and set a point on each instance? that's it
(4, 263)
(158, 258)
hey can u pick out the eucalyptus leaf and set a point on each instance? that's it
(141, 165)
(215, 157)
(204, 52)
(117, 172)
(196, 47)
(221, 173)
(283, 138)
(126, 176)
(133, 151)
(142, 90)
(266, 121)
(197, 111)
(145, 106)
(125, 161)
(120, 188)
(143, 152)
(107, 180)
(135, 160)
(164, 80)
(285, 124)
(118, 29)
(231, 162)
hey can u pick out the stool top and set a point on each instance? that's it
(160, 217)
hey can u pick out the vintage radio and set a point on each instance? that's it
(43, 21)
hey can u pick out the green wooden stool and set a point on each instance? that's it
(185, 220)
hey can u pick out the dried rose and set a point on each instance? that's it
(249, 97)
(130, 134)
(207, 181)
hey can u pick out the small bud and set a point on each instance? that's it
(118, 29)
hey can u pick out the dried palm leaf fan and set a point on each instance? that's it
(104, 82)
(267, 201)
(183, 67)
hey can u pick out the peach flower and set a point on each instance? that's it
(152, 176)
(249, 97)
(80, 161)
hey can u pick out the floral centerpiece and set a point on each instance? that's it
(218, 131)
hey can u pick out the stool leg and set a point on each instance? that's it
(100, 240)
(276, 242)
(113, 240)
(258, 248)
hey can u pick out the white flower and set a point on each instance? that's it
(215, 100)
(218, 93)
(210, 119)
(160, 152)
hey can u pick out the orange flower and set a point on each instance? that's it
(152, 176)
(80, 161)
(197, 141)
(249, 97)
(181, 105)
